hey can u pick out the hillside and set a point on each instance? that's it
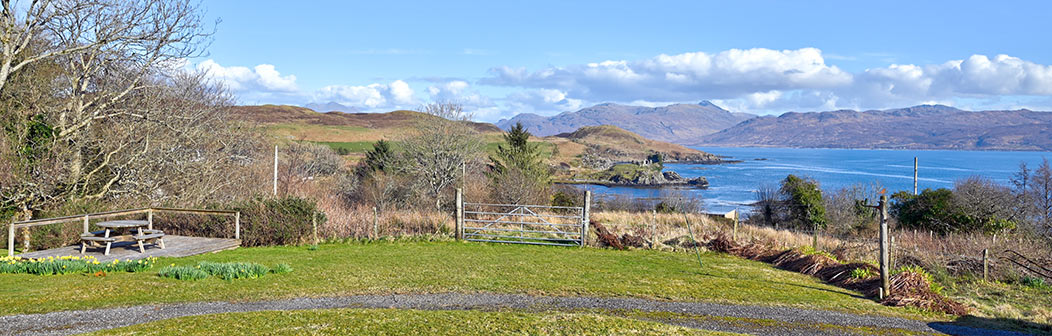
(918, 127)
(584, 151)
(678, 123)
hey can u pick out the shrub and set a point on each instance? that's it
(264, 222)
(282, 269)
(182, 273)
(803, 198)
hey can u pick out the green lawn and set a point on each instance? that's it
(354, 147)
(404, 322)
(432, 267)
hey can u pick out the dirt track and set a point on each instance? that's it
(789, 321)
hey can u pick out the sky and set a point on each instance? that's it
(502, 58)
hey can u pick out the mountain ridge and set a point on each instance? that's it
(677, 123)
(916, 127)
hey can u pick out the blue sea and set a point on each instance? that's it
(734, 185)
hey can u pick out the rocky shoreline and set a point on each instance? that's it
(665, 179)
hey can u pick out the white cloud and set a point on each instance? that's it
(542, 101)
(395, 95)
(687, 76)
(461, 92)
(263, 77)
(765, 80)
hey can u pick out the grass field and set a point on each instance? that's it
(406, 322)
(433, 267)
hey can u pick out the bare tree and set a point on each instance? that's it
(43, 30)
(303, 162)
(440, 148)
(768, 207)
(112, 112)
(1041, 193)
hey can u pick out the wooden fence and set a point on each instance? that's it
(86, 219)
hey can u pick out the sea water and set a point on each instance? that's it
(733, 186)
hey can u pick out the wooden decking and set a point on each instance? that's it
(175, 246)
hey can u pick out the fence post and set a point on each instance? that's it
(149, 220)
(376, 215)
(814, 238)
(314, 226)
(885, 283)
(653, 229)
(460, 215)
(734, 234)
(986, 262)
(11, 240)
(86, 223)
(587, 213)
(237, 225)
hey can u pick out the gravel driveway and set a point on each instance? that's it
(794, 321)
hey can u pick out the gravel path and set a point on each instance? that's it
(72, 322)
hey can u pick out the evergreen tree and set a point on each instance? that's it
(804, 201)
(379, 157)
(516, 153)
(518, 173)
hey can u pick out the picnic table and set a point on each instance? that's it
(139, 231)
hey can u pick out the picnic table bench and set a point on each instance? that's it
(138, 231)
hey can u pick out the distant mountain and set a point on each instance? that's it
(918, 127)
(331, 107)
(678, 123)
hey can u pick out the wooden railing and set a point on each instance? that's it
(86, 219)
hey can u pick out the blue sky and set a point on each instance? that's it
(500, 58)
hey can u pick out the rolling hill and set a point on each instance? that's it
(918, 127)
(355, 132)
(678, 123)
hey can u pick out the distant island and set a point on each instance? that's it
(918, 127)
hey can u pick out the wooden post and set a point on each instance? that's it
(584, 220)
(814, 238)
(314, 226)
(885, 283)
(986, 263)
(376, 220)
(149, 221)
(460, 215)
(86, 223)
(734, 234)
(653, 228)
(237, 225)
(275, 170)
(11, 239)
(914, 175)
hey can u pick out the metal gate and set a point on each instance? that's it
(523, 224)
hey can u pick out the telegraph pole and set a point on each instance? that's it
(914, 175)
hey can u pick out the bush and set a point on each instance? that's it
(861, 273)
(264, 222)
